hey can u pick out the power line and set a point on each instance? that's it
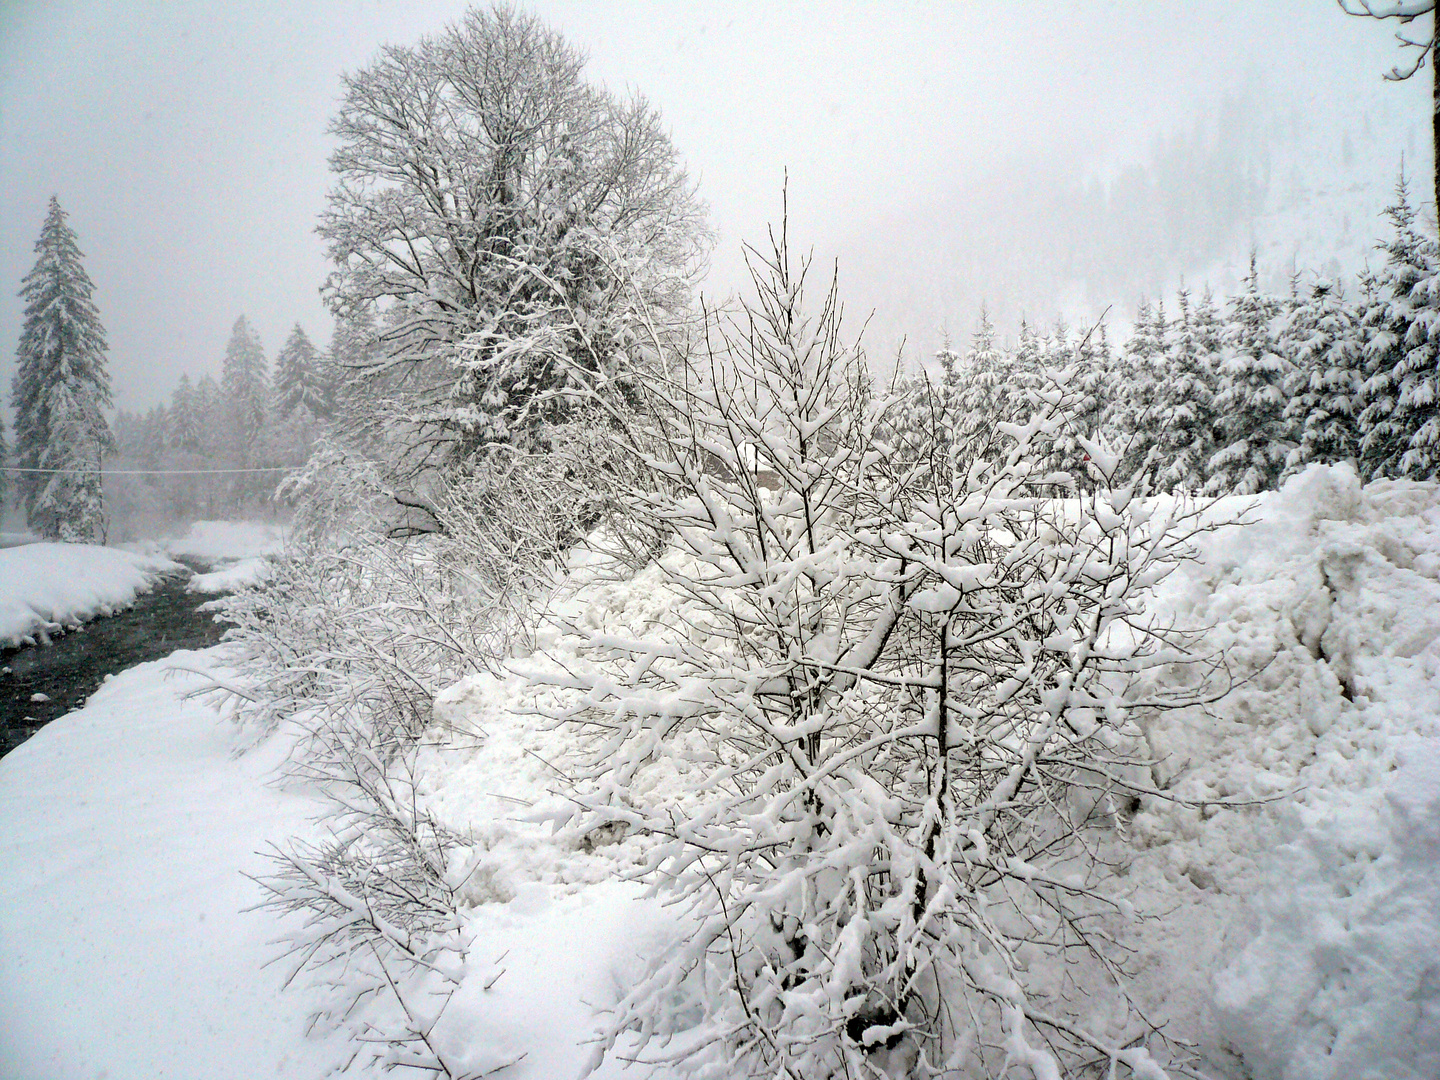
(148, 472)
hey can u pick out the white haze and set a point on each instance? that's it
(1045, 158)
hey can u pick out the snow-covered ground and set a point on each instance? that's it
(47, 588)
(238, 575)
(1311, 927)
(1295, 939)
(125, 947)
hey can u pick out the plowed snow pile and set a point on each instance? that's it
(1297, 937)
(1307, 940)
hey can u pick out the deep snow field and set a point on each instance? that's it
(1295, 939)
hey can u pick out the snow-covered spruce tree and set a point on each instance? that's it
(1083, 370)
(1418, 406)
(184, 419)
(59, 391)
(247, 403)
(969, 400)
(299, 379)
(1416, 375)
(4, 468)
(71, 505)
(498, 216)
(1254, 436)
(245, 382)
(1182, 416)
(1381, 445)
(903, 686)
(1140, 371)
(1324, 388)
(1385, 428)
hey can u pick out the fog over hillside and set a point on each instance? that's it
(1303, 181)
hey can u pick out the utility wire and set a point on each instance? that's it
(148, 472)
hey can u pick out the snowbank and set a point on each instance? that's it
(218, 541)
(1306, 936)
(244, 574)
(46, 588)
(126, 949)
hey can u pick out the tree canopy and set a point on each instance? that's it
(502, 221)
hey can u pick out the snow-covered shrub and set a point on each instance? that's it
(361, 625)
(904, 687)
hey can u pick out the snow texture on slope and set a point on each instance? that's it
(1304, 933)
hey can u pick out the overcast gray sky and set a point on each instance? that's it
(187, 140)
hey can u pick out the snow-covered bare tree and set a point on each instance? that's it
(902, 684)
(502, 220)
(59, 391)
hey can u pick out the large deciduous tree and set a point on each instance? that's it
(503, 221)
(60, 388)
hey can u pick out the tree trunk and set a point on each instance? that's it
(1435, 113)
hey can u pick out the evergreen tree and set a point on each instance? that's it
(4, 464)
(60, 387)
(185, 420)
(245, 381)
(1183, 413)
(1416, 375)
(1023, 374)
(299, 380)
(975, 384)
(1382, 442)
(1397, 420)
(1084, 370)
(1254, 436)
(210, 407)
(71, 505)
(1419, 379)
(1324, 386)
(1139, 371)
(154, 437)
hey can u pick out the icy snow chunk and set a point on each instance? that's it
(1321, 493)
